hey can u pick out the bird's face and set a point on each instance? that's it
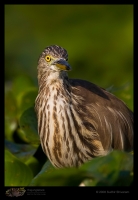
(54, 58)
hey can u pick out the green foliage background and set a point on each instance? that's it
(99, 41)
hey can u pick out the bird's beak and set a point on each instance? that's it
(62, 64)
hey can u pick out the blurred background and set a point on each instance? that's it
(98, 38)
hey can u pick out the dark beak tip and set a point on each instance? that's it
(69, 68)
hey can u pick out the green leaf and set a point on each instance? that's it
(111, 170)
(125, 178)
(34, 165)
(28, 125)
(27, 99)
(107, 170)
(10, 127)
(10, 114)
(49, 176)
(21, 151)
(16, 172)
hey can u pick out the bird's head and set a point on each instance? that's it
(54, 59)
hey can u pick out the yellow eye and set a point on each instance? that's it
(48, 58)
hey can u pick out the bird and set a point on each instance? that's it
(77, 119)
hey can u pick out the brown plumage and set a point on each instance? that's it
(77, 120)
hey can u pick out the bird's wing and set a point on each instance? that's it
(113, 118)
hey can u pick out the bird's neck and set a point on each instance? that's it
(50, 79)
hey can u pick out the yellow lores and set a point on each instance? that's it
(61, 66)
